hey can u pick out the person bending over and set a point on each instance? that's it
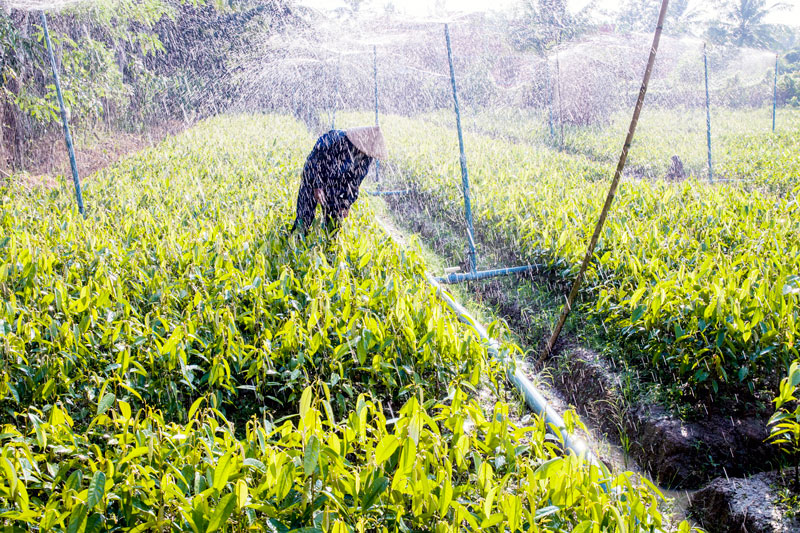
(333, 174)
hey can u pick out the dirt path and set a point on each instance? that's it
(94, 151)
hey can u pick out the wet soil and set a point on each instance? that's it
(677, 453)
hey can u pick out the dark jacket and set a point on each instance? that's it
(338, 168)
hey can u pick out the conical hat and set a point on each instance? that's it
(369, 140)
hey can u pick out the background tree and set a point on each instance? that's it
(742, 23)
(789, 79)
(544, 24)
(127, 62)
(683, 16)
(354, 5)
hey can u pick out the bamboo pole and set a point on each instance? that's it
(547, 350)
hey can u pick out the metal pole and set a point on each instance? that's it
(375, 69)
(487, 274)
(464, 172)
(775, 95)
(550, 101)
(67, 136)
(708, 118)
(560, 104)
(612, 191)
(336, 97)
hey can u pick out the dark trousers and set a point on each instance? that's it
(307, 207)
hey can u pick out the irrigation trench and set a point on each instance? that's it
(516, 373)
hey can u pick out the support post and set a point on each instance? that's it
(560, 102)
(708, 118)
(775, 95)
(375, 70)
(548, 348)
(464, 172)
(336, 92)
(67, 136)
(549, 90)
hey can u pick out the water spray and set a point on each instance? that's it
(473, 274)
(548, 348)
(336, 91)
(560, 101)
(379, 192)
(67, 136)
(549, 92)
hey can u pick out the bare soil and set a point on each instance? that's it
(94, 151)
(744, 505)
(677, 453)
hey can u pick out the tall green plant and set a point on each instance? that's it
(785, 423)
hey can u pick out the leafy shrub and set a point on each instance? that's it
(179, 362)
(701, 279)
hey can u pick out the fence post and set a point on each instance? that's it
(464, 172)
(67, 135)
(375, 71)
(708, 118)
(775, 95)
(336, 93)
(549, 91)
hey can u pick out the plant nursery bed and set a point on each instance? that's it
(677, 453)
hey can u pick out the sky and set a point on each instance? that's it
(425, 7)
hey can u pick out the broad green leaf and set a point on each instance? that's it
(195, 406)
(105, 403)
(97, 489)
(386, 448)
(221, 512)
(311, 455)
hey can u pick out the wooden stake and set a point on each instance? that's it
(612, 191)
